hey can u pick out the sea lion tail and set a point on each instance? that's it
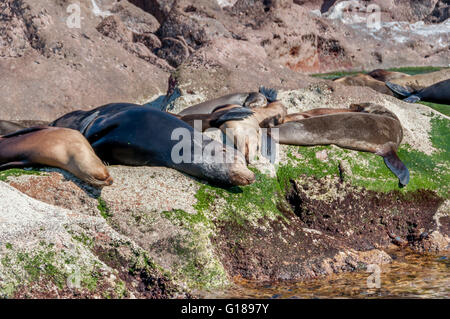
(398, 89)
(412, 99)
(397, 167)
(270, 93)
(234, 114)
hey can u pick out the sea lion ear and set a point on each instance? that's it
(270, 93)
(397, 167)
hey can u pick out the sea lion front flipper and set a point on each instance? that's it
(87, 121)
(397, 167)
(412, 99)
(16, 164)
(398, 89)
(235, 114)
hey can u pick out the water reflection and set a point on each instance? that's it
(410, 275)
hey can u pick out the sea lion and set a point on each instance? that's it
(439, 92)
(371, 128)
(385, 75)
(7, 127)
(365, 80)
(314, 112)
(129, 134)
(245, 134)
(421, 81)
(250, 99)
(216, 119)
(58, 147)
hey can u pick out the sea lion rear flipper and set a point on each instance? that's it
(235, 114)
(398, 89)
(397, 167)
(412, 99)
(270, 94)
(14, 164)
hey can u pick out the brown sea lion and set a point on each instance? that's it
(365, 80)
(371, 128)
(57, 147)
(314, 112)
(245, 134)
(249, 99)
(217, 118)
(420, 81)
(385, 75)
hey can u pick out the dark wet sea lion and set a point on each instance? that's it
(439, 92)
(364, 80)
(58, 147)
(250, 99)
(371, 128)
(129, 134)
(7, 127)
(385, 75)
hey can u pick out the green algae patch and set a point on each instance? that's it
(408, 70)
(368, 170)
(198, 265)
(48, 264)
(413, 70)
(251, 203)
(442, 108)
(14, 172)
(103, 208)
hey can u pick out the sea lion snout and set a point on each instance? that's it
(240, 175)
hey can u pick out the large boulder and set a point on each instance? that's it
(49, 69)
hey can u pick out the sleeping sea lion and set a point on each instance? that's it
(370, 128)
(385, 75)
(365, 80)
(58, 147)
(250, 100)
(129, 134)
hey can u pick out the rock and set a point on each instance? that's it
(51, 252)
(82, 67)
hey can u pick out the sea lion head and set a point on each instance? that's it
(254, 100)
(85, 164)
(238, 172)
(225, 165)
